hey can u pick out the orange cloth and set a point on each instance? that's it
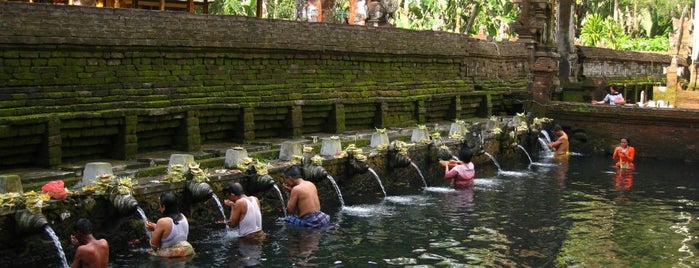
(624, 161)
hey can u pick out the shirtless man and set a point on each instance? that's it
(245, 213)
(90, 252)
(560, 146)
(303, 200)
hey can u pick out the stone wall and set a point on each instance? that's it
(85, 83)
(631, 71)
(655, 132)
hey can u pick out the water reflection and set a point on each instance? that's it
(246, 253)
(302, 245)
(623, 181)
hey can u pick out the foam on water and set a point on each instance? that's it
(440, 189)
(366, 210)
(407, 199)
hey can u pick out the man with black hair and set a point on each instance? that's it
(245, 213)
(560, 146)
(90, 252)
(303, 200)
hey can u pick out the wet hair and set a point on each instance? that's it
(465, 154)
(557, 127)
(169, 201)
(83, 226)
(235, 188)
(293, 172)
(628, 141)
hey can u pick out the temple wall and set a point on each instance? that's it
(631, 71)
(84, 83)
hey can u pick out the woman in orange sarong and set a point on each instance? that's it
(624, 154)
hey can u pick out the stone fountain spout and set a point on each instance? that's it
(397, 155)
(124, 203)
(200, 190)
(255, 183)
(314, 173)
(29, 223)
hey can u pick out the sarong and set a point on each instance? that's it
(181, 249)
(315, 219)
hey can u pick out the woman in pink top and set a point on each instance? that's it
(462, 171)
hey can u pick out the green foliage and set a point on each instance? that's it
(233, 7)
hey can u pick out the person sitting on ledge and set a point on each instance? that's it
(303, 200)
(90, 252)
(614, 97)
(169, 238)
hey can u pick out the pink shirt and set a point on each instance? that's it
(462, 175)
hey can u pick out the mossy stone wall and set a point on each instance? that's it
(84, 83)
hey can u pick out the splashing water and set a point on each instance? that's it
(419, 172)
(545, 150)
(337, 190)
(525, 151)
(546, 134)
(220, 208)
(379, 180)
(494, 161)
(142, 215)
(281, 199)
(57, 244)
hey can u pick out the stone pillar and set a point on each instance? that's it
(51, 154)
(126, 145)
(455, 111)
(296, 119)
(381, 114)
(248, 124)
(672, 73)
(566, 33)
(535, 25)
(420, 111)
(544, 75)
(189, 136)
(338, 118)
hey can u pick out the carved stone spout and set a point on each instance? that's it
(314, 173)
(124, 203)
(29, 223)
(396, 158)
(255, 183)
(358, 167)
(200, 190)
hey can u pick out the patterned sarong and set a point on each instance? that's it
(181, 249)
(315, 219)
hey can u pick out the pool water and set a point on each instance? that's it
(549, 214)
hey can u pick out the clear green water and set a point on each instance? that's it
(546, 216)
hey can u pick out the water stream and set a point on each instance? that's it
(546, 134)
(494, 161)
(142, 215)
(337, 190)
(57, 243)
(378, 180)
(281, 199)
(220, 208)
(545, 150)
(527, 153)
(419, 172)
